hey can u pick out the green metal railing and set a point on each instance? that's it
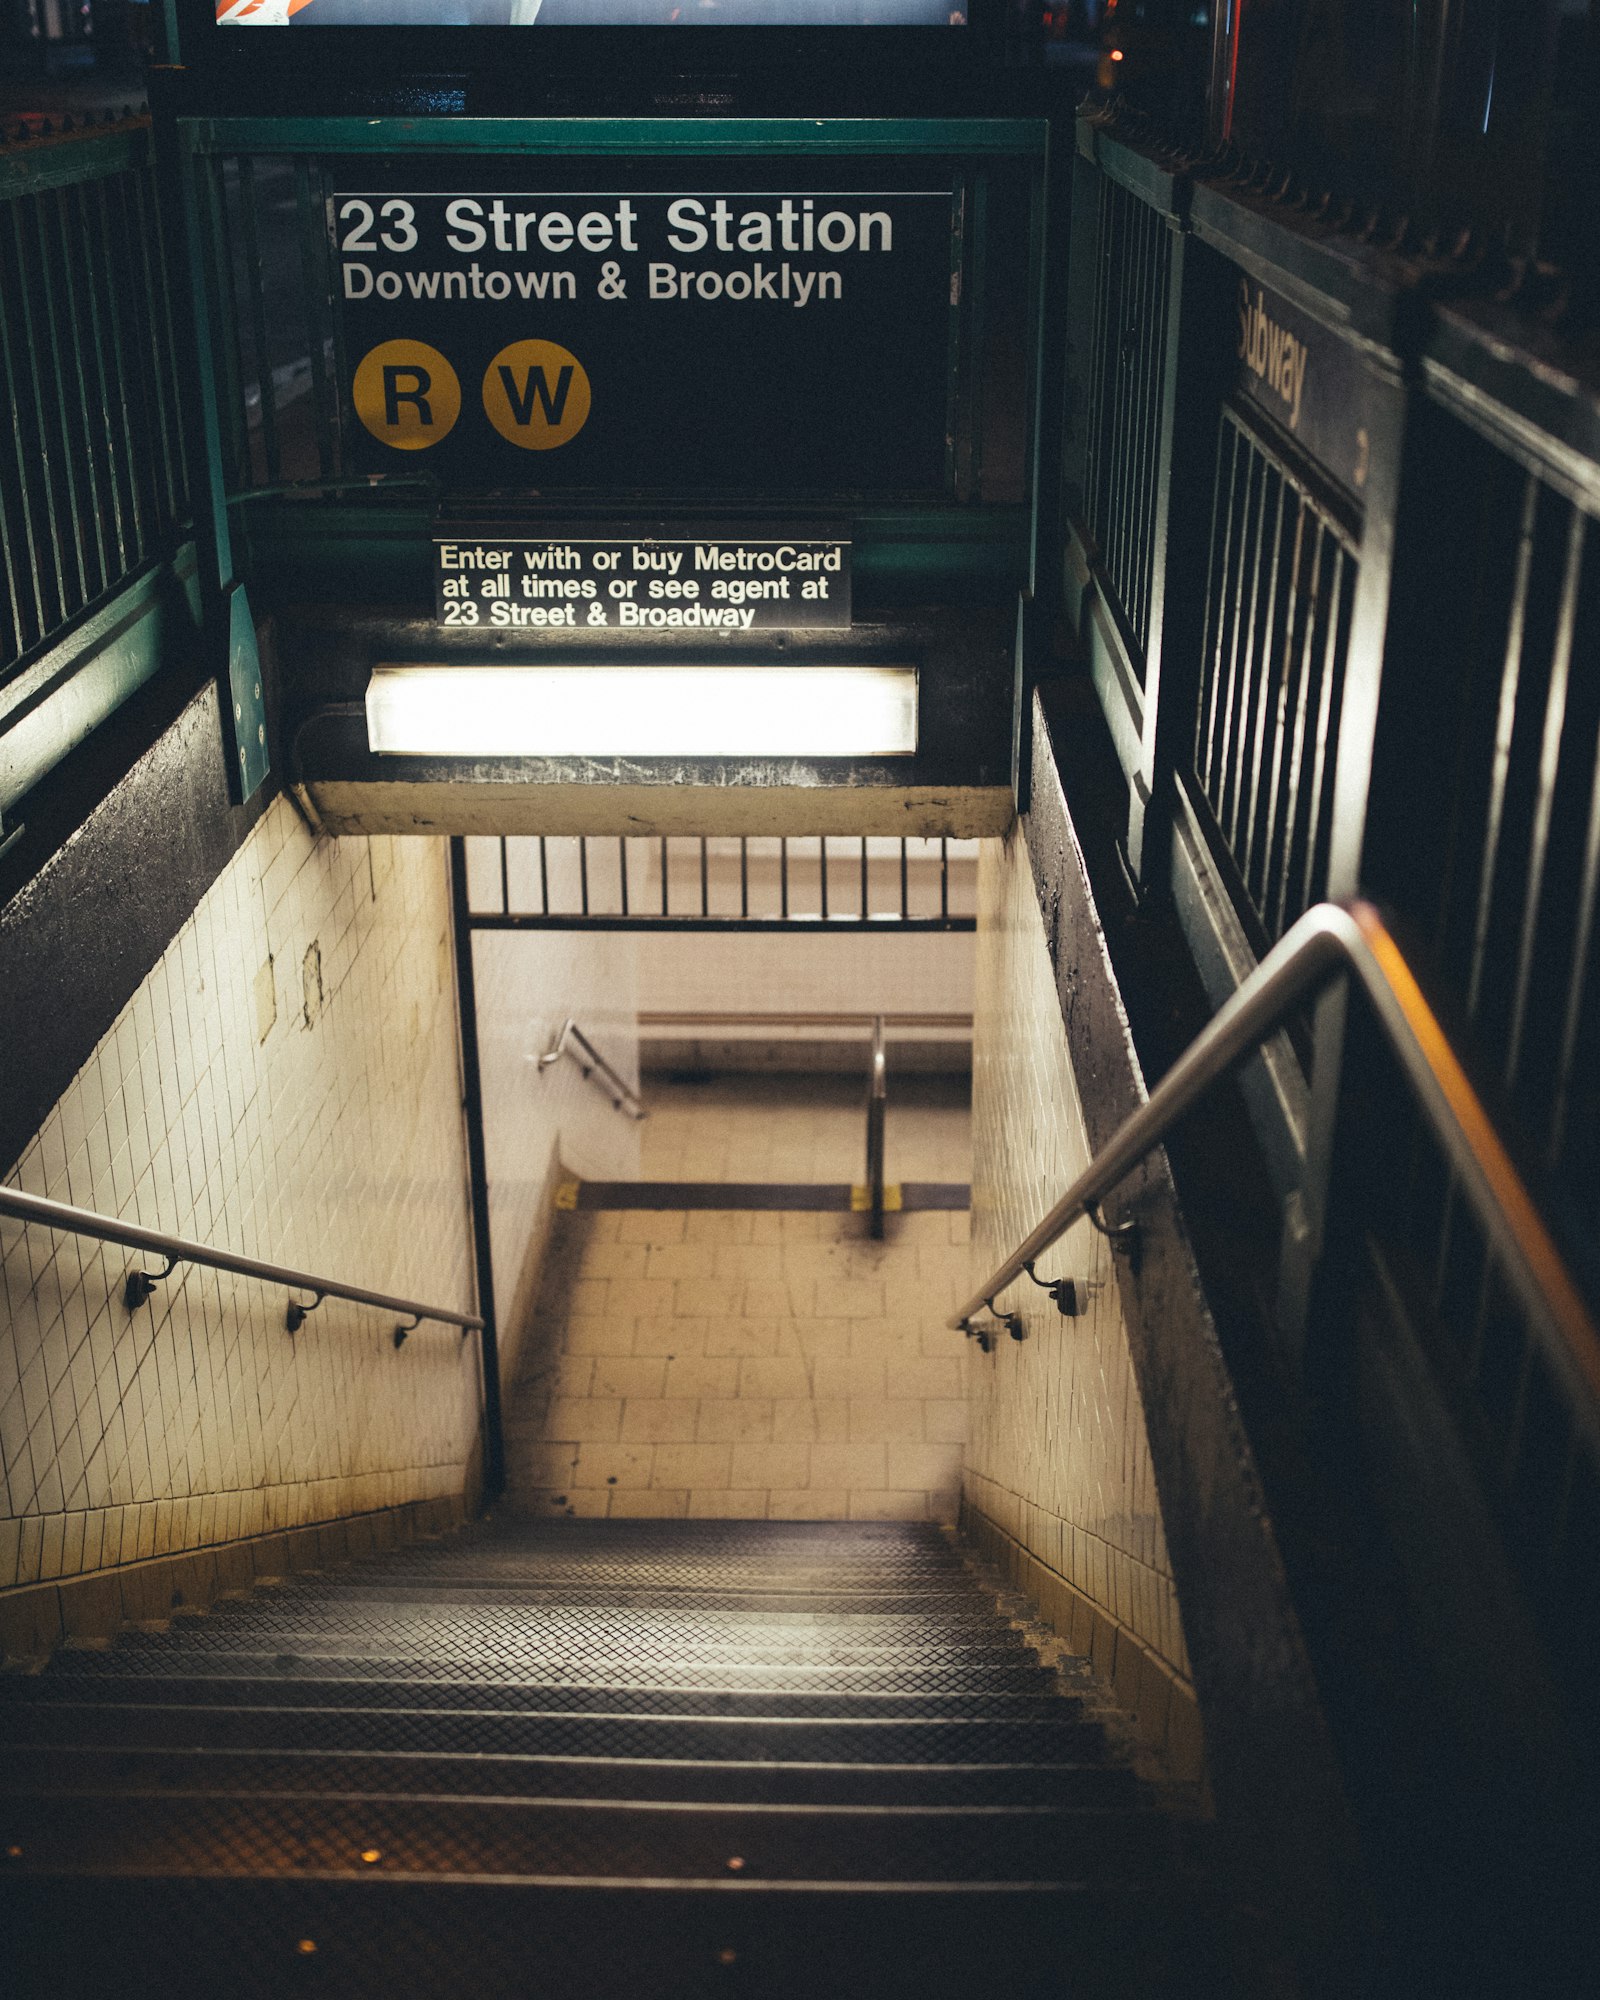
(93, 488)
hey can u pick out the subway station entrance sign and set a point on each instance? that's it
(636, 583)
(793, 338)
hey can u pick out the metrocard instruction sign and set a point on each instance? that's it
(634, 583)
(793, 339)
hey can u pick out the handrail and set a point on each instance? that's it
(1330, 939)
(623, 1096)
(877, 1114)
(60, 1216)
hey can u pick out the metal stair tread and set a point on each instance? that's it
(268, 1833)
(83, 1767)
(521, 1698)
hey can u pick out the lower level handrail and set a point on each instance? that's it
(1329, 940)
(572, 1041)
(66, 1220)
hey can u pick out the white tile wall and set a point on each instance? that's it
(285, 1083)
(1058, 1455)
(926, 972)
(539, 1121)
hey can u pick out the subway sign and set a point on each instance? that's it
(637, 581)
(794, 339)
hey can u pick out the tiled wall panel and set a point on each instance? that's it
(1058, 1455)
(928, 972)
(539, 1122)
(285, 1083)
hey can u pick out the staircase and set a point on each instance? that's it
(589, 1757)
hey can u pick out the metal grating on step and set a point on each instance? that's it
(187, 1833)
(320, 1690)
(31, 1768)
(707, 1748)
(1057, 1735)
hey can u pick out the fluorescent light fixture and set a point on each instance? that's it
(642, 711)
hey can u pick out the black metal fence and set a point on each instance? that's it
(92, 478)
(1354, 647)
(1122, 484)
(780, 883)
(1281, 589)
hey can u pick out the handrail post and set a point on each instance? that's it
(877, 1115)
(494, 1450)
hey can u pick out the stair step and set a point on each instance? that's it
(688, 1634)
(553, 1737)
(951, 1609)
(200, 1833)
(1064, 1737)
(136, 1936)
(593, 1682)
(37, 1768)
(252, 1687)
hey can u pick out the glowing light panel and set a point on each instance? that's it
(526, 711)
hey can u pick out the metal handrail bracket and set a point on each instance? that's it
(66, 1220)
(572, 1041)
(1330, 940)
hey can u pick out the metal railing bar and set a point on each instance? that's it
(13, 570)
(866, 905)
(158, 314)
(109, 365)
(40, 432)
(663, 874)
(62, 402)
(783, 877)
(1330, 940)
(952, 1023)
(944, 878)
(822, 873)
(544, 876)
(705, 877)
(622, 868)
(744, 875)
(77, 212)
(905, 880)
(310, 227)
(1572, 1026)
(1227, 677)
(250, 235)
(69, 1221)
(1339, 604)
(1505, 725)
(1276, 913)
(216, 212)
(583, 873)
(328, 326)
(505, 879)
(571, 1039)
(1555, 718)
(534, 920)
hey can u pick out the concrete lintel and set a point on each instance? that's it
(964, 812)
